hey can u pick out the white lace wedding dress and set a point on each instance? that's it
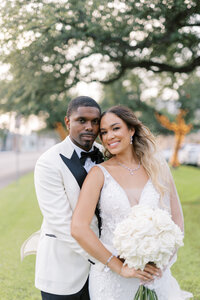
(115, 206)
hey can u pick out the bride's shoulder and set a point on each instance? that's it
(96, 170)
(95, 177)
(101, 169)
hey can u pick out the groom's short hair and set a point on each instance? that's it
(81, 101)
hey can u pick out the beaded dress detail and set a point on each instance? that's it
(114, 207)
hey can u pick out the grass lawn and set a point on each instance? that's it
(20, 216)
(186, 269)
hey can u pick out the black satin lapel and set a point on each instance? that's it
(80, 173)
(75, 167)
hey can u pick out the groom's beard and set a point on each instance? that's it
(87, 143)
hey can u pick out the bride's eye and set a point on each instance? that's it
(116, 128)
(102, 133)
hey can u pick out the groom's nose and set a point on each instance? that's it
(88, 126)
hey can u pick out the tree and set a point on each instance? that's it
(180, 129)
(51, 45)
(127, 91)
(189, 100)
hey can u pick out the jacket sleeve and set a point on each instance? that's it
(54, 204)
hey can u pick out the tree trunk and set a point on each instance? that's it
(178, 141)
(62, 132)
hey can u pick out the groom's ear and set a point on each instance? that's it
(67, 122)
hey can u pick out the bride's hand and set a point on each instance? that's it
(146, 275)
(152, 269)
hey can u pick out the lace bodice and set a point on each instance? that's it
(115, 204)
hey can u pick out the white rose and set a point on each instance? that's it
(135, 262)
(162, 260)
(127, 247)
(141, 211)
(167, 242)
(125, 228)
(147, 235)
(142, 228)
(179, 236)
(162, 220)
(148, 246)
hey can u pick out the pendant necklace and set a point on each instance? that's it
(131, 171)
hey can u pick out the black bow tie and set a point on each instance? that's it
(95, 155)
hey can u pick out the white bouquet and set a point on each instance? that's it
(147, 236)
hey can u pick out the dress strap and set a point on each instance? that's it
(105, 172)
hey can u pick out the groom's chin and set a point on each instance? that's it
(88, 144)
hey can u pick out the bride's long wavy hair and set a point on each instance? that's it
(144, 146)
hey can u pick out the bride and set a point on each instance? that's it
(135, 174)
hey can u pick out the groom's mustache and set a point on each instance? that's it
(88, 134)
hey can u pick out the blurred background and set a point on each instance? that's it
(142, 54)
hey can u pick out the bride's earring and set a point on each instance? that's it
(131, 139)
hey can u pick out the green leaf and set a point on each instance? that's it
(145, 293)
(137, 294)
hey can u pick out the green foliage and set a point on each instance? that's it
(190, 100)
(143, 293)
(52, 45)
(20, 216)
(127, 91)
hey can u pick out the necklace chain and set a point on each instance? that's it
(131, 171)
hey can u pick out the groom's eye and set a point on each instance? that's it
(82, 121)
(95, 122)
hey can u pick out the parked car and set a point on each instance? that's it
(183, 153)
(167, 153)
(189, 154)
(193, 155)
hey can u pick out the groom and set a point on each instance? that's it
(62, 266)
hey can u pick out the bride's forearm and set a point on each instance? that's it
(90, 243)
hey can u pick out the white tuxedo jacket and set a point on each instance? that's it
(62, 266)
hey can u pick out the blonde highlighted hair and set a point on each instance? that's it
(145, 147)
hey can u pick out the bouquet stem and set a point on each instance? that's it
(143, 293)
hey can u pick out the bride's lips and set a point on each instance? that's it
(113, 144)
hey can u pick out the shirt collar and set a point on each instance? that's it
(78, 149)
